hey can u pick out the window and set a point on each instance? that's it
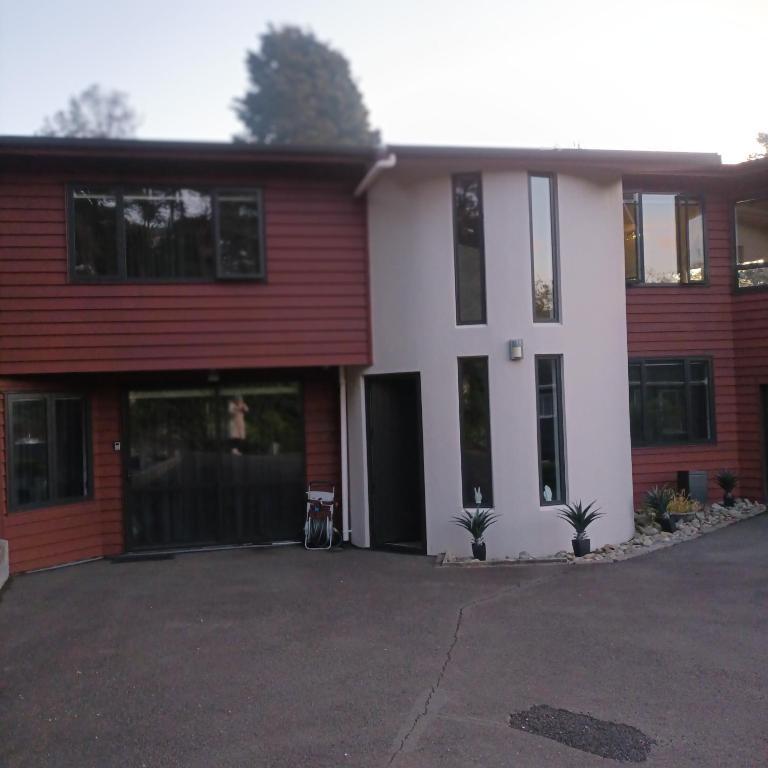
(549, 411)
(752, 243)
(166, 233)
(469, 249)
(47, 450)
(544, 248)
(475, 431)
(663, 239)
(670, 401)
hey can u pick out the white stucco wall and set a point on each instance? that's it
(414, 329)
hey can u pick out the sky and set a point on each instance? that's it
(654, 74)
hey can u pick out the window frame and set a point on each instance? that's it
(50, 399)
(118, 191)
(489, 421)
(763, 195)
(561, 453)
(554, 210)
(456, 272)
(686, 361)
(639, 281)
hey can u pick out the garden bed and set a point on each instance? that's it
(648, 538)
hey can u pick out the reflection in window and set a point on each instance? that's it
(663, 239)
(549, 410)
(95, 234)
(469, 247)
(752, 243)
(475, 431)
(48, 459)
(543, 248)
(240, 234)
(670, 401)
(166, 233)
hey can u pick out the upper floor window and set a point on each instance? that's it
(752, 243)
(47, 450)
(469, 249)
(670, 401)
(162, 233)
(544, 248)
(663, 239)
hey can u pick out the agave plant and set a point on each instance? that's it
(727, 481)
(580, 517)
(476, 521)
(657, 500)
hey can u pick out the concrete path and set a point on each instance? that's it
(286, 658)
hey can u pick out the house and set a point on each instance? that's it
(174, 319)
(191, 332)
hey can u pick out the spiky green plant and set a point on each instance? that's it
(579, 517)
(726, 480)
(657, 500)
(477, 522)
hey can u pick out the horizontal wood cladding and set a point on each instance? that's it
(312, 310)
(52, 535)
(65, 533)
(683, 321)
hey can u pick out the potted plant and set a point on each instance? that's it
(657, 502)
(727, 481)
(580, 518)
(680, 507)
(476, 521)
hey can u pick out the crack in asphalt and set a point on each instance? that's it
(449, 654)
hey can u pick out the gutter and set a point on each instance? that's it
(390, 161)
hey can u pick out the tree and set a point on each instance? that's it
(302, 92)
(94, 114)
(762, 138)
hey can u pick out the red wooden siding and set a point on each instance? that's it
(59, 534)
(311, 311)
(51, 535)
(670, 321)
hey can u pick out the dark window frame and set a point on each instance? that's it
(118, 191)
(639, 281)
(50, 399)
(554, 209)
(456, 272)
(559, 402)
(686, 361)
(486, 360)
(763, 195)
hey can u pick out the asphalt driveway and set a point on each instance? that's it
(286, 658)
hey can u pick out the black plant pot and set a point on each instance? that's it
(581, 547)
(667, 524)
(478, 550)
(728, 500)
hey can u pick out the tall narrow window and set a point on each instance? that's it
(48, 454)
(663, 239)
(240, 234)
(469, 249)
(549, 406)
(95, 237)
(475, 431)
(752, 243)
(544, 248)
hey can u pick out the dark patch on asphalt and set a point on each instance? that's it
(598, 737)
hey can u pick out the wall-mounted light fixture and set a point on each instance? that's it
(516, 349)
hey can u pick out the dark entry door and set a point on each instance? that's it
(395, 465)
(214, 466)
